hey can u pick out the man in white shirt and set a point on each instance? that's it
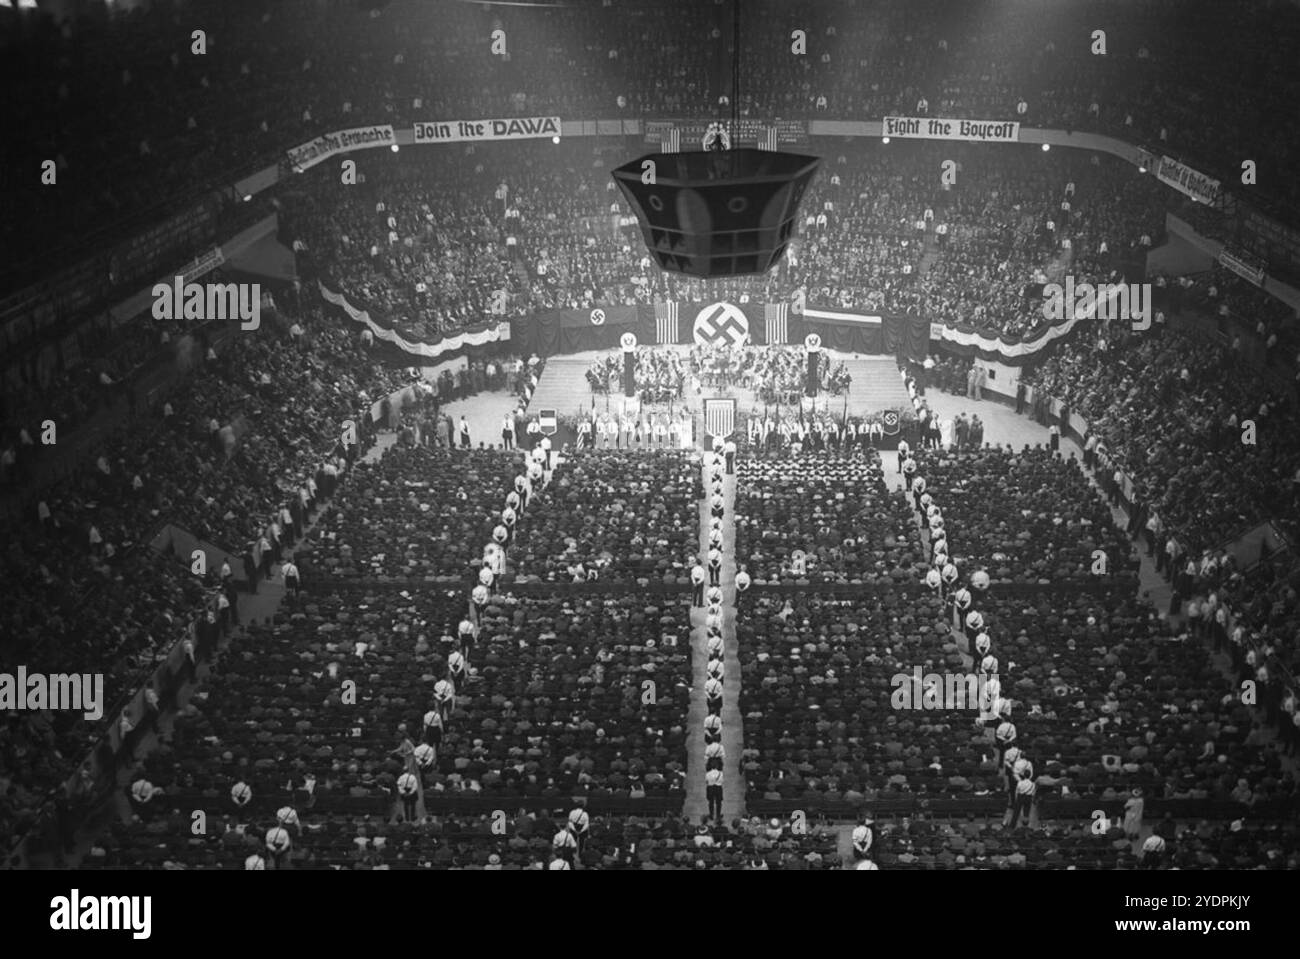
(713, 791)
(862, 839)
(698, 577)
(291, 578)
(715, 755)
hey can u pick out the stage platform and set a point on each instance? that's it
(875, 385)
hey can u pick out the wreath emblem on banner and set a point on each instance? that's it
(812, 342)
(716, 132)
(598, 317)
(628, 341)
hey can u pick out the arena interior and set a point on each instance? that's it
(374, 500)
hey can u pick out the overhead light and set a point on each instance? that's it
(884, 139)
(1046, 147)
(394, 148)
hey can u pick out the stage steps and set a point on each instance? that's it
(563, 386)
(875, 385)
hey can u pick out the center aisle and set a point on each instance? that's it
(733, 784)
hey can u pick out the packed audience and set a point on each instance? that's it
(223, 458)
(1026, 516)
(617, 516)
(265, 85)
(823, 519)
(416, 513)
(1171, 412)
(543, 700)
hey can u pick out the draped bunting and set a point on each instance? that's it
(599, 328)
(382, 329)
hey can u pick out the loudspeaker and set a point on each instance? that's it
(719, 212)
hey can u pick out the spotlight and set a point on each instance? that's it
(884, 139)
(1142, 169)
(394, 148)
(1046, 147)
(555, 139)
(248, 197)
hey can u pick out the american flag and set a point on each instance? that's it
(719, 417)
(777, 316)
(767, 139)
(670, 141)
(666, 322)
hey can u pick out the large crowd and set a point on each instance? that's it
(560, 683)
(616, 516)
(231, 456)
(267, 82)
(1174, 412)
(506, 232)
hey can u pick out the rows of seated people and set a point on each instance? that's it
(87, 594)
(266, 82)
(620, 516)
(1025, 516)
(1171, 413)
(816, 700)
(523, 841)
(1125, 700)
(546, 698)
(1012, 218)
(923, 842)
(837, 512)
(416, 513)
(438, 248)
(1109, 703)
(1221, 293)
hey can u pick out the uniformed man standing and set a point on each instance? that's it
(715, 567)
(580, 825)
(863, 837)
(698, 578)
(508, 431)
(1026, 790)
(729, 451)
(713, 792)
(291, 580)
(712, 729)
(715, 755)
(713, 696)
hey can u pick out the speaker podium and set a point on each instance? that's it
(719, 212)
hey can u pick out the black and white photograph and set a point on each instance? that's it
(650, 435)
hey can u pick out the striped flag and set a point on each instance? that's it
(719, 417)
(670, 141)
(767, 139)
(777, 316)
(666, 322)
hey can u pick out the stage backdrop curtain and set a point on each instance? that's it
(572, 331)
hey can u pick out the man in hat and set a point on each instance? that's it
(715, 567)
(863, 837)
(713, 696)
